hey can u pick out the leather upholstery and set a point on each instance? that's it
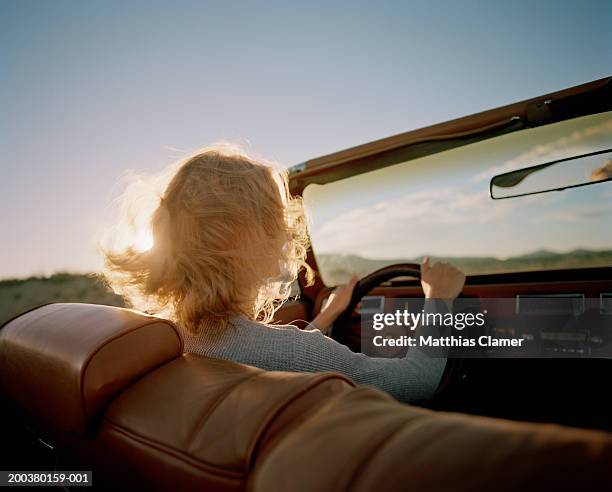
(65, 362)
(196, 423)
(201, 420)
(363, 440)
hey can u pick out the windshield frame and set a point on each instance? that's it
(585, 99)
(581, 100)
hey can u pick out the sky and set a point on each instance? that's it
(91, 89)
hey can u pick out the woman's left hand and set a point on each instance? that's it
(337, 302)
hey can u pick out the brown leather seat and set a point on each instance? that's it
(113, 388)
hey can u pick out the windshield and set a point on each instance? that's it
(440, 206)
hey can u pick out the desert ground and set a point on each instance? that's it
(18, 295)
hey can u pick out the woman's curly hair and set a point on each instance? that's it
(227, 239)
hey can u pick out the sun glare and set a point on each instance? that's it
(144, 241)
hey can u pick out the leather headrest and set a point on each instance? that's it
(64, 363)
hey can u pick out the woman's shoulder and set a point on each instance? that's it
(244, 322)
(278, 330)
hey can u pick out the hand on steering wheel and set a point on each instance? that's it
(369, 282)
(337, 302)
(441, 280)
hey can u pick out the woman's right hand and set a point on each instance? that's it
(441, 280)
(337, 302)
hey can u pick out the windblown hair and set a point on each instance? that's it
(227, 239)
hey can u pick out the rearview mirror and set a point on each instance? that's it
(558, 175)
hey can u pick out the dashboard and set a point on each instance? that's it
(573, 307)
(566, 388)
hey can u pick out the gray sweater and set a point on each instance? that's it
(287, 348)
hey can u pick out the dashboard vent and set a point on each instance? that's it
(556, 304)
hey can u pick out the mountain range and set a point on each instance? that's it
(338, 268)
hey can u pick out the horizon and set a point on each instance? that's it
(368, 258)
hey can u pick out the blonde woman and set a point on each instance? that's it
(228, 242)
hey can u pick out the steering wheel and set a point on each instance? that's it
(369, 282)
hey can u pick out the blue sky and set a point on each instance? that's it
(90, 89)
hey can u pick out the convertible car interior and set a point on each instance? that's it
(108, 389)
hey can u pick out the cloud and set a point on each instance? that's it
(426, 211)
(580, 213)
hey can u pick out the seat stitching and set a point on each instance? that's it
(273, 412)
(177, 453)
(379, 447)
(218, 402)
(278, 409)
(83, 374)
